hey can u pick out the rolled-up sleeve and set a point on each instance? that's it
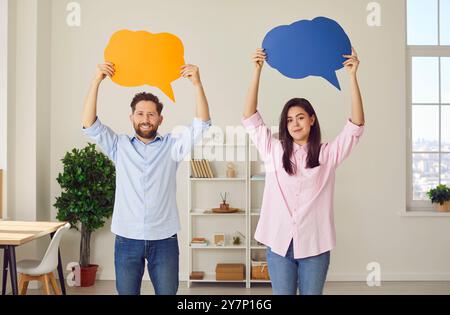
(341, 147)
(185, 140)
(258, 132)
(104, 137)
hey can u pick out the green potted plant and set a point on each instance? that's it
(441, 197)
(87, 199)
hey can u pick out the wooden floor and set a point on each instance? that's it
(331, 288)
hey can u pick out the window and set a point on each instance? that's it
(428, 57)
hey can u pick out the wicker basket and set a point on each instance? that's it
(260, 270)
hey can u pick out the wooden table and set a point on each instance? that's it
(16, 233)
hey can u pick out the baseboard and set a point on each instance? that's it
(338, 277)
(391, 277)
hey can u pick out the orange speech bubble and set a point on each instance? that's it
(145, 58)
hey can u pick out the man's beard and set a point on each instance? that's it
(146, 134)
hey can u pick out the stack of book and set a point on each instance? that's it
(199, 242)
(201, 169)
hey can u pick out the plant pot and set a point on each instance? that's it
(443, 208)
(224, 206)
(88, 275)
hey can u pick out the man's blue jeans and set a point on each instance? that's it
(307, 274)
(162, 263)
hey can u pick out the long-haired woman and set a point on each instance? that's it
(296, 221)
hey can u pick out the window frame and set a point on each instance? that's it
(413, 51)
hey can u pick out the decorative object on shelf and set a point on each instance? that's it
(220, 211)
(237, 239)
(230, 272)
(201, 169)
(224, 205)
(219, 239)
(260, 172)
(231, 170)
(197, 275)
(440, 195)
(230, 210)
(259, 176)
(199, 242)
(260, 270)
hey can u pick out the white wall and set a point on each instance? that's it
(3, 102)
(3, 95)
(12, 17)
(220, 36)
(28, 95)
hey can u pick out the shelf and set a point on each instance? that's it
(212, 278)
(250, 180)
(430, 213)
(258, 247)
(200, 212)
(212, 247)
(217, 179)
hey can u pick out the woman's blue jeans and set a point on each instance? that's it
(288, 274)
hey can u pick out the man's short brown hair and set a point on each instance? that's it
(146, 97)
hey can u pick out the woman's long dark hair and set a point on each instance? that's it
(288, 142)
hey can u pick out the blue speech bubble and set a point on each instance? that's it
(308, 48)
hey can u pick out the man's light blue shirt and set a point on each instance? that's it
(145, 205)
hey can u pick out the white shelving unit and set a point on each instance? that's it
(204, 194)
(255, 188)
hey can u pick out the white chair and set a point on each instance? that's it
(42, 270)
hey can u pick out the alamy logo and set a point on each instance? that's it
(74, 276)
(73, 18)
(374, 277)
(374, 17)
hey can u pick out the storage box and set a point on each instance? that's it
(230, 272)
(197, 275)
(260, 270)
